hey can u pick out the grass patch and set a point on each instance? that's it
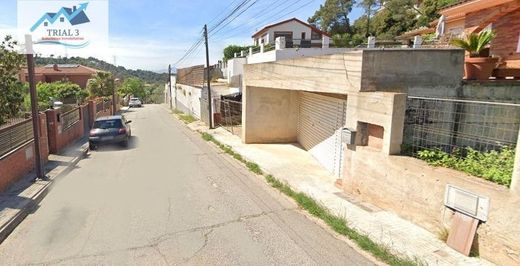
(187, 118)
(338, 224)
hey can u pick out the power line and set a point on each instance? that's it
(234, 17)
(269, 20)
(200, 39)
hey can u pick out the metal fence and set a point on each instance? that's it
(100, 106)
(449, 124)
(70, 118)
(230, 117)
(15, 135)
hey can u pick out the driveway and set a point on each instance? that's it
(169, 198)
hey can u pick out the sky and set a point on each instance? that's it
(152, 34)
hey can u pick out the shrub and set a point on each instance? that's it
(495, 166)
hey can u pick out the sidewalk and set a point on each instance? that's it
(301, 171)
(23, 197)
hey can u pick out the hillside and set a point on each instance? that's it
(118, 71)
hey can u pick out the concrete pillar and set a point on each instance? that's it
(235, 55)
(242, 53)
(262, 48)
(371, 42)
(325, 42)
(250, 51)
(280, 43)
(417, 42)
(515, 182)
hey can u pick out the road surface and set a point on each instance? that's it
(169, 198)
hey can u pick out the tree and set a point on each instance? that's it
(59, 91)
(370, 7)
(429, 10)
(332, 16)
(230, 50)
(101, 85)
(11, 90)
(133, 86)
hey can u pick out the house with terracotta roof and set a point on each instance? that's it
(74, 73)
(295, 31)
(473, 16)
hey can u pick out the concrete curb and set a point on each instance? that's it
(29, 204)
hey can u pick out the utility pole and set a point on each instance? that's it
(170, 84)
(34, 108)
(208, 74)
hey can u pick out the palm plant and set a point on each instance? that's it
(101, 85)
(474, 43)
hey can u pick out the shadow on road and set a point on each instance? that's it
(133, 143)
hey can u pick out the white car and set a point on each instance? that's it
(135, 102)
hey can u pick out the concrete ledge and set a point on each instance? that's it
(24, 196)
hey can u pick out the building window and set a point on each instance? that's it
(303, 35)
(287, 34)
(518, 45)
(315, 35)
(62, 19)
(45, 24)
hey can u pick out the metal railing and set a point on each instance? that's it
(230, 117)
(450, 124)
(15, 136)
(70, 118)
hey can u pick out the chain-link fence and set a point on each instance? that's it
(450, 124)
(229, 115)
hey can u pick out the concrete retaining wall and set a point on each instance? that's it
(415, 191)
(271, 115)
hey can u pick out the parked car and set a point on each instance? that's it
(110, 129)
(135, 102)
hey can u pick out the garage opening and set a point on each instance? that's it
(321, 119)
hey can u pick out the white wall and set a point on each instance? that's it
(235, 70)
(290, 53)
(188, 99)
(296, 27)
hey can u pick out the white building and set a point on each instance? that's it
(296, 32)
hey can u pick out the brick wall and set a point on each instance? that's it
(193, 76)
(507, 29)
(505, 43)
(20, 162)
(59, 137)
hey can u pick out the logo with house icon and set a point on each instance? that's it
(74, 16)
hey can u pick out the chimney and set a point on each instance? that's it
(73, 8)
(55, 67)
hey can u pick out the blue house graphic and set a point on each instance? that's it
(74, 15)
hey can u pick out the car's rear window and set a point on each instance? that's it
(105, 124)
(134, 99)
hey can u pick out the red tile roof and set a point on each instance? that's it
(64, 70)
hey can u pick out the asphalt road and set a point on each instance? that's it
(169, 198)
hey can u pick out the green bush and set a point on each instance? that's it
(495, 166)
